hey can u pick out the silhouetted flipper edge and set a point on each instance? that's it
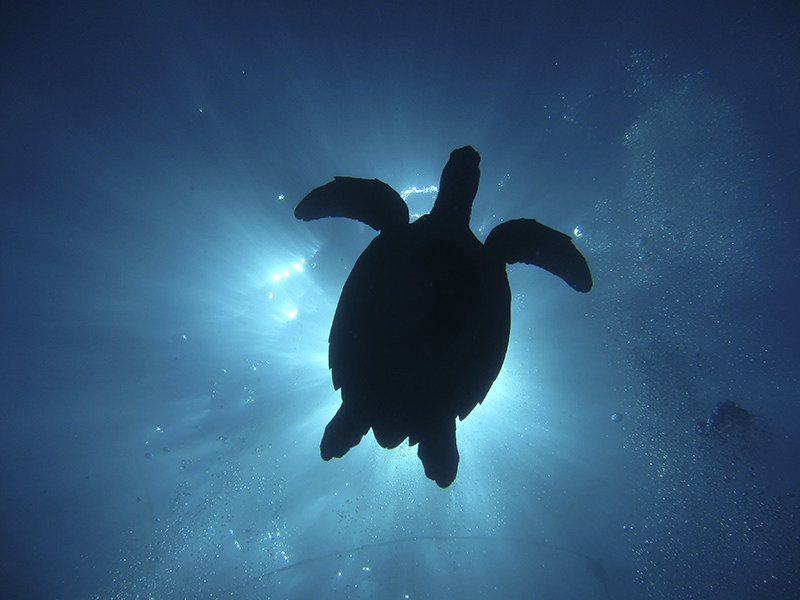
(343, 433)
(530, 242)
(367, 200)
(439, 454)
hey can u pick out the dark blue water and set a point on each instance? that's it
(165, 318)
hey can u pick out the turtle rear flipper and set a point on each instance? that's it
(439, 454)
(367, 200)
(343, 432)
(530, 242)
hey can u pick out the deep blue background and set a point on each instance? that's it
(161, 412)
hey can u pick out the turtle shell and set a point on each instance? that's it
(420, 332)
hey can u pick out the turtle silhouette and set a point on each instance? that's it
(422, 326)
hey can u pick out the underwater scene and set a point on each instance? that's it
(549, 250)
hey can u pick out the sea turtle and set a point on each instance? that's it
(422, 325)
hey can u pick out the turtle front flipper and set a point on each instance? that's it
(530, 242)
(367, 200)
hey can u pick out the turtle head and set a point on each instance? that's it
(458, 186)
